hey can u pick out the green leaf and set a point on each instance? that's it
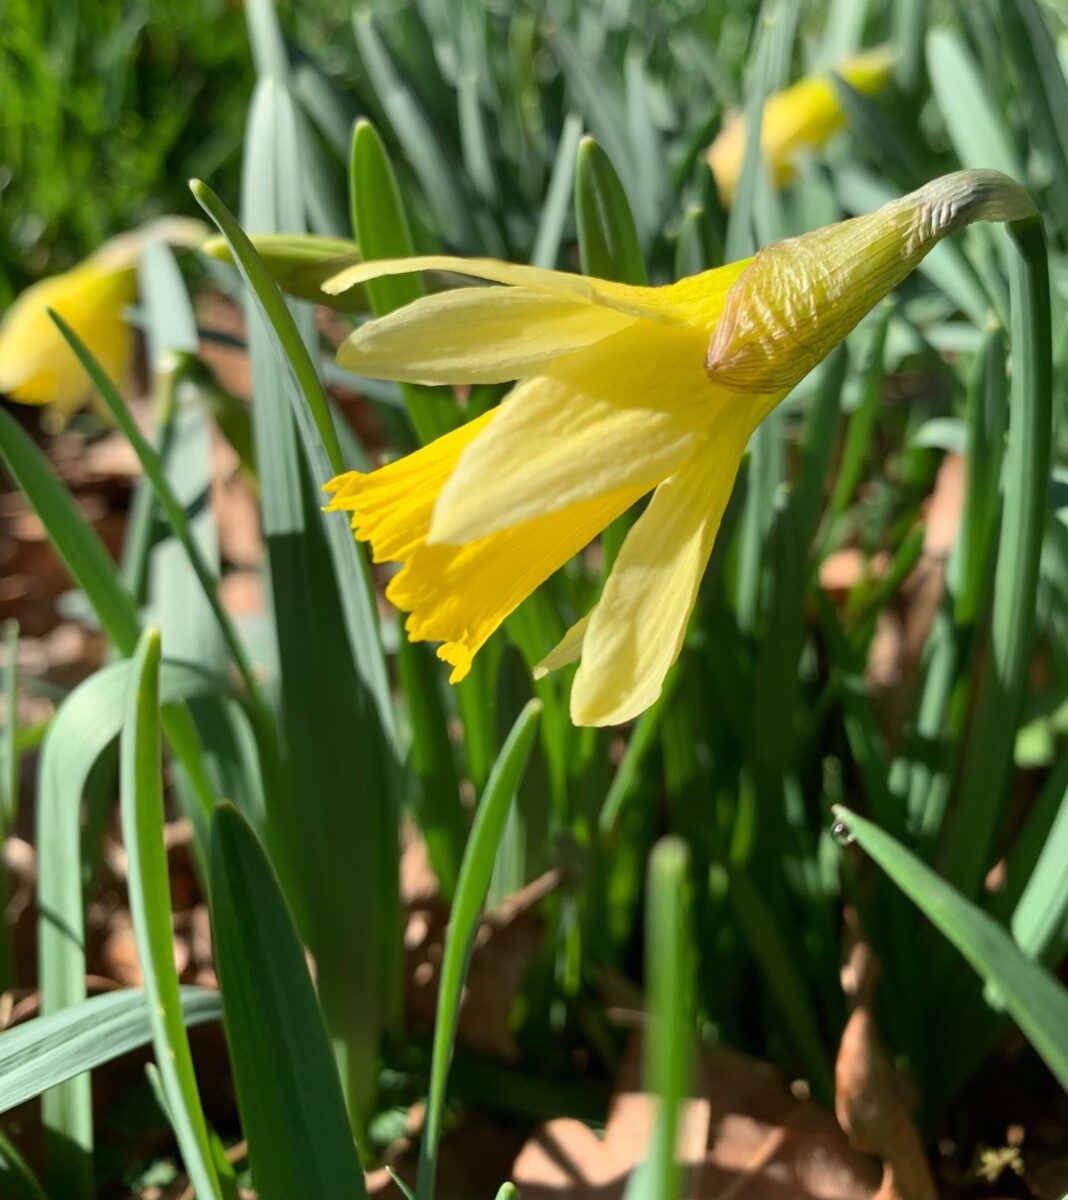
(87, 722)
(909, 21)
(861, 426)
(593, 95)
(288, 1091)
(265, 36)
(651, 174)
(608, 238)
(381, 225)
(1040, 918)
(270, 303)
(554, 211)
(697, 247)
(183, 611)
(321, 448)
(1037, 1002)
(141, 790)
(75, 542)
(975, 126)
(669, 1038)
(418, 140)
(17, 1181)
(1004, 673)
(475, 874)
(50, 1050)
(331, 819)
(740, 239)
(474, 138)
(172, 507)
(777, 954)
(437, 806)
(843, 31)
(988, 414)
(879, 137)
(1044, 88)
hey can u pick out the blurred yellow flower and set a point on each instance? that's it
(802, 117)
(36, 364)
(624, 390)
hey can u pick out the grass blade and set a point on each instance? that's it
(382, 231)
(338, 861)
(265, 36)
(169, 502)
(1039, 919)
(669, 968)
(1044, 86)
(141, 790)
(1037, 1002)
(437, 807)
(75, 542)
(975, 127)
(988, 760)
(740, 240)
(87, 722)
(417, 138)
(17, 1181)
(554, 211)
(609, 247)
(49, 1050)
(184, 612)
(322, 449)
(475, 874)
(288, 1090)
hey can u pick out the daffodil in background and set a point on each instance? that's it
(623, 391)
(36, 364)
(802, 117)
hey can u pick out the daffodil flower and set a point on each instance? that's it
(623, 390)
(36, 364)
(802, 117)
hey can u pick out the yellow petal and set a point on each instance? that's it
(477, 335)
(802, 116)
(459, 595)
(391, 507)
(636, 630)
(798, 298)
(567, 650)
(36, 364)
(624, 413)
(635, 301)
(698, 299)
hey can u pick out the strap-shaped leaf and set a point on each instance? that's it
(1037, 1002)
(50, 1050)
(288, 1090)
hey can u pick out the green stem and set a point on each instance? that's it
(988, 762)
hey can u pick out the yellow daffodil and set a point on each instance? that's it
(802, 117)
(36, 364)
(623, 390)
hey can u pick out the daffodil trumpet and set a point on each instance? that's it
(36, 365)
(621, 391)
(799, 118)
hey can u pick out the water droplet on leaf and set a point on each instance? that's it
(842, 834)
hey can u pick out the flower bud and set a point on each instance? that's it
(800, 297)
